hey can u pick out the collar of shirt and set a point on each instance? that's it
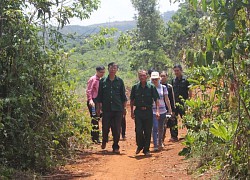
(108, 79)
(97, 77)
(182, 78)
(147, 85)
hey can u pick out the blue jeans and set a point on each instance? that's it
(158, 129)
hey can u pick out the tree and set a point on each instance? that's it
(38, 112)
(182, 33)
(219, 119)
(147, 43)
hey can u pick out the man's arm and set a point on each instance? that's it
(132, 108)
(171, 96)
(132, 102)
(89, 92)
(99, 99)
(98, 109)
(124, 110)
(168, 104)
(123, 95)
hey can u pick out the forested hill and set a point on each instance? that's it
(120, 25)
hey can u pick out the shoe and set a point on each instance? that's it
(103, 146)
(173, 140)
(124, 137)
(116, 151)
(156, 149)
(138, 150)
(147, 153)
(161, 147)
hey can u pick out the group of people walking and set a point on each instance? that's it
(151, 101)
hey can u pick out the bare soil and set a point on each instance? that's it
(98, 164)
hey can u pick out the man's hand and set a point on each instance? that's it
(132, 115)
(98, 109)
(91, 103)
(98, 112)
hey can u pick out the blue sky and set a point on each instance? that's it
(118, 10)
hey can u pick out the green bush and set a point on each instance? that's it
(39, 109)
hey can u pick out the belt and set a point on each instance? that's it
(143, 108)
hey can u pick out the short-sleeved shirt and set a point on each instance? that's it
(181, 88)
(112, 94)
(144, 97)
(162, 91)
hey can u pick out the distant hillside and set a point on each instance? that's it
(167, 15)
(120, 25)
(86, 30)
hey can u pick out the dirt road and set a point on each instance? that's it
(98, 164)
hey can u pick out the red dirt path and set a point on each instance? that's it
(98, 164)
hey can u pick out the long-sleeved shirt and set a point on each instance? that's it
(92, 87)
(181, 88)
(112, 94)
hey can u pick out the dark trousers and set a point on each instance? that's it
(94, 124)
(173, 123)
(143, 128)
(112, 119)
(123, 126)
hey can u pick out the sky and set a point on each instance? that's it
(118, 10)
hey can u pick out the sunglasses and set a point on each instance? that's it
(154, 79)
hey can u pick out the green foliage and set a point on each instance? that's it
(147, 42)
(101, 49)
(39, 110)
(181, 34)
(222, 123)
(223, 131)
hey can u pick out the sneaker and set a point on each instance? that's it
(173, 140)
(138, 150)
(116, 151)
(103, 146)
(147, 153)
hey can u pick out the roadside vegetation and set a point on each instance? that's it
(44, 75)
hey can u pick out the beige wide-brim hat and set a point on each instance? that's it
(155, 75)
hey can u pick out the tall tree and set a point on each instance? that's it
(183, 32)
(147, 51)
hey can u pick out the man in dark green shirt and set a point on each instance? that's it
(142, 96)
(112, 99)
